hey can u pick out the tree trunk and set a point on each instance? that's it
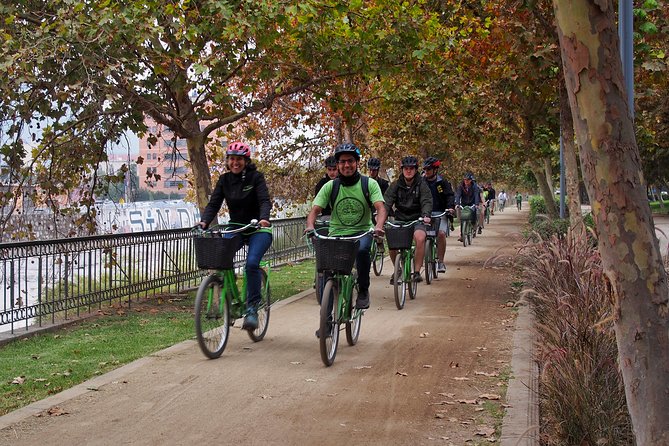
(627, 242)
(548, 171)
(573, 196)
(545, 190)
(200, 168)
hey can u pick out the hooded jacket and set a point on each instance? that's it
(409, 202)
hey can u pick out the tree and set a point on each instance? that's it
(611, 168)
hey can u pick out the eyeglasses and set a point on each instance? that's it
(349, 161)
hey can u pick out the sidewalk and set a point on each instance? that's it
(172, 396)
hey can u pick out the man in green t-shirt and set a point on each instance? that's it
(351, 214)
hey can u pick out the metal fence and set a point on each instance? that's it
(44, 282)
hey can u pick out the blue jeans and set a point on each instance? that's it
(363, 262)
(259, 243)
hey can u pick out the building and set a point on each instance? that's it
(164, 169)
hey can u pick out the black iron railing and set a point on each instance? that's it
(48, 281)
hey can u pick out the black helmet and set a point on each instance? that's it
(410, 161)
(374, 163)
(331, 161)
(431, 162)
(349, 148)
(469, 176)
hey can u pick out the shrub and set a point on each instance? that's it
(582, 396)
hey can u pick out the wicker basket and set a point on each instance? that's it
(433, 227)
(466, 213)
(216, 252)
(335, 255)
(399, 238)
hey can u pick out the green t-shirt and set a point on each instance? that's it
(350, 213)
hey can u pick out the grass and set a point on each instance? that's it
(34, 368)
(656, 209)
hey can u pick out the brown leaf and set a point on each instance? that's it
(489, 396)
(56, 411)
(463, 401)
(485, 431)
(400, 373)
(19, 380)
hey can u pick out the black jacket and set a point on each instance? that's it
(442, 194)
(246, 195)
(409, 202)
(327, 210)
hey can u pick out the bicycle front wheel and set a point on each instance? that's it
(398, 281)
(377, 260)
(329, 326)
(212, 317)
(263, 309)
(354, 321)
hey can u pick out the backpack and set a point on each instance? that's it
(365, 191)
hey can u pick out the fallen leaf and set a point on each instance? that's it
(56, 411)
(463, 401)
(485, 431)
(489, 396)
(310, 380)
(266, 397)
(19, 380)
(400, 373)
(439, 415)
(491, 374)
(450, 395)
(454, 365)
(427, 366)
(296, 362)
(360, 367)
(461, 378)
(424, 335)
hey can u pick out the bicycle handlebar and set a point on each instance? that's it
(404, 224)
(216, 229)
(315, 233)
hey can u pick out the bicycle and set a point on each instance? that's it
(335, 258)
(377, 254)
(431, 257)
(467, 231)
(399, 235)
(219, 301)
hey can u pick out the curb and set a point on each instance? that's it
(520, 426)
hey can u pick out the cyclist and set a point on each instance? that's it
(442, 200)
(501, 198)
(409, 198)
(351, 213)
(519, 200)
(330, 174)
(244, 190)
(373, 165)
(467, 194)
(491, 197)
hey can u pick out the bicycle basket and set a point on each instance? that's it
(432, 229)
(466, 213)
(335, 255)
(399, 238)
(216, 252)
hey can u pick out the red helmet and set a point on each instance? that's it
(239, 149)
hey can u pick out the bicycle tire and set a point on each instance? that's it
(263, 309)
(212, 320)
(411, 284)
(435, 261)
(398, 284)
(318, 279)
(428, 261)
(378, 258)
(329, 324)
(471, 233)
(354, 320)
(487, 216)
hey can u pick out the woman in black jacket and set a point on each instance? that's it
(244, 190)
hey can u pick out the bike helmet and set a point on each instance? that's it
(469, 176)
(330, 161)
(431, 162)
(410, 161)
(374, 163)
(349, 148)
(239, 149)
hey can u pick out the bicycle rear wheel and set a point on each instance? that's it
(398, 283)
(263, 309)
(410, 282)
(354, 320)
(329, 326)
(471, 233)
(378, 255)
(212, 317)
(434, 265)
(428, 261)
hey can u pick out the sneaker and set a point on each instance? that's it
(441, 268)
(392, 280)
(452, 228)
(460, 238)
(362, 302)
(250, 321)
(480, 230)
(417, 277)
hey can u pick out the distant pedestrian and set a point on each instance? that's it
(519, 201)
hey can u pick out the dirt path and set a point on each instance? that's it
(417, 376)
